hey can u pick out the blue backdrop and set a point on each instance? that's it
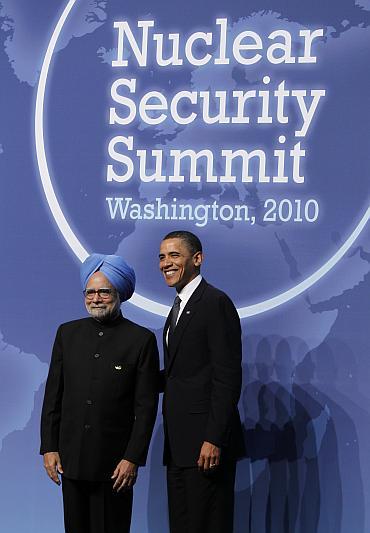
(247, 123)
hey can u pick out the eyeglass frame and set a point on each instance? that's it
(92, 292)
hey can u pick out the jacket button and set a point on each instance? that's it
(101, 333)
(97, 355)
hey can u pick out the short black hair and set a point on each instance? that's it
(192, 241)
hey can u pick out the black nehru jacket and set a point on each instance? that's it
(101, 396)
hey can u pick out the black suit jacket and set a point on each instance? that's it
(101, 396)
(203, 378)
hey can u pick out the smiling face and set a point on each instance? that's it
(102, 309)
(177, 263)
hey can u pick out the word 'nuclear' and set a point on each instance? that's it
(245, 47)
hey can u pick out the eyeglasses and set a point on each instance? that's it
(104, 294)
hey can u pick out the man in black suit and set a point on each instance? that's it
(100, 403)
(202, 382)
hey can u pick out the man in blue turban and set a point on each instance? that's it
(115, 269)
(100, 402)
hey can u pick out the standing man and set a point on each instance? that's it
(202, 382)
(100, 403)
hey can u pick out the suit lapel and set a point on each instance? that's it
(183, 322)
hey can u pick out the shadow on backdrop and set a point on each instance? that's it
(300, 440)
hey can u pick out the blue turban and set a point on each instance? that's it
(114, 268)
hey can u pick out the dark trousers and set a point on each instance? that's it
(93, 507)
(199, 502)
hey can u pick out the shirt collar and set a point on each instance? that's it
(188, 290)
(110, 324)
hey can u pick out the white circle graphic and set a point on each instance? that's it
(80, 252)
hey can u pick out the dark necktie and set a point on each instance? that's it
(174, 314)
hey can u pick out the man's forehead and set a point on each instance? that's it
(98, 280)
(175, 243)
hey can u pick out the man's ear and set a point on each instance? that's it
(198, 258)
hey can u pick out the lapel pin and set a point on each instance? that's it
(188, 312)
(118, 367)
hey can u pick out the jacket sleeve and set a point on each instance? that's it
(51, 409)
(224, 342)
(145, 403)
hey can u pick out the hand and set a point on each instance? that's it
(125, 475)
(209, 457)
(52, 466)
